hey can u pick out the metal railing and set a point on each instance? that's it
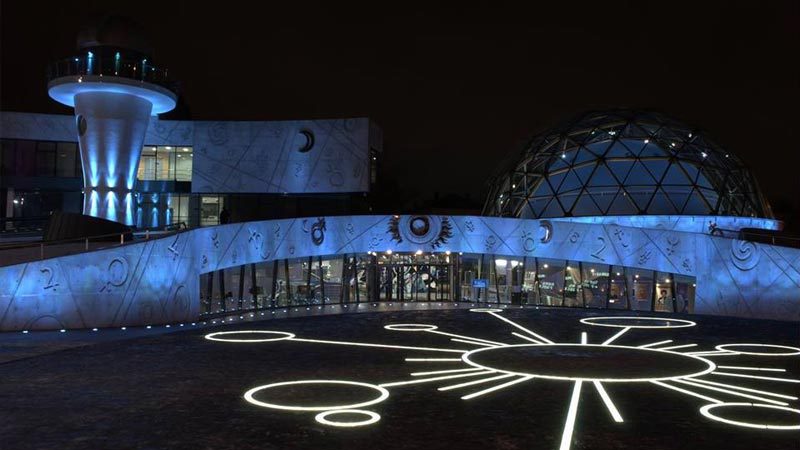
(17, 253)
(112, 66)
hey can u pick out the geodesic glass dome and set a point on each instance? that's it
(625, 163)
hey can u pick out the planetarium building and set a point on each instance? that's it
(622, 210)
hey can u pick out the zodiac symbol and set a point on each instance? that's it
(215, 239)
(622, 236)
(174, 248)
(597, 253)
(574, 236)
(49, 276)
(117, 274)
(644, 257)
(672, 242)
(528, 243)
(318, 231)
(470, 226)
(350, 229)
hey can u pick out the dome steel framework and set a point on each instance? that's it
(625, 163)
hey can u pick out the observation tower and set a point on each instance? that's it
(114, 87)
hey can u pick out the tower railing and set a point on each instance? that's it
(110, 66)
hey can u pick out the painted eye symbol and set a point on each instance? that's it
(421, 230)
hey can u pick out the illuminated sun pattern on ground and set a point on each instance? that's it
(490, 366)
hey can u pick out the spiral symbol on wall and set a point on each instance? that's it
(218, 133)
(744, 254)
(117, 274)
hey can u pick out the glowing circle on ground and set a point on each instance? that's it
(793, 351)
(638, 322)
(707, 411)
(383, 394)
(257, 336)
(410, 327)
(372, 417)
(589, 362)
(486, 310)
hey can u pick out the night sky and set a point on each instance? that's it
(456, 88)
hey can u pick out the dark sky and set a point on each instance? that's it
(455, 88)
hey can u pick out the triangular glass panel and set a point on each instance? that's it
(568, 199)
(584, 172)
(639, 175)
(543, 190)
(675, 176)
(660, 204)
(633, 130)
(585, 207)
(711, 197)
(602, 196)
(570, 183)
(634, 145)
(618, 150)
(538, 205)
(691, 170)
(695, 205)
(656, 167)
(602, 177)
(555, 179)
(553, 210)
(652, 150)
(641, 197)
(622, 206)
(620, 169)
(678, 196)
(583, 155)
(598, 148)
(702, 181)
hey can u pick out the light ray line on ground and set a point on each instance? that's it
(614, 337)
(569, 426)
(365, 344)
(655, 343)
(495, 388)
(765, 369)
(433, 359)
(712, 353)
(607, 400)
(470, 383)
(482, 344)
(740, 388)
(729, 392)
(522, 336)
(521, 327)
(437, 372)
(675, 347)
(684, 391)
(470, 338)
(445, 377)
(755, 377)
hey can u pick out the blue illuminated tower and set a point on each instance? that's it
(114, 88)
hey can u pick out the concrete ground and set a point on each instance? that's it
(177, 389)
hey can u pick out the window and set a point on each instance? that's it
(46, 159)
(183, 164)
(165, 163)
(66, 160)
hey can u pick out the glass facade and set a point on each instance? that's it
(165, 163)
(426, 277)
(625, 163)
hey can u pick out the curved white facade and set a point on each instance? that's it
(157, 281)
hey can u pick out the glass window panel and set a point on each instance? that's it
(675, 176)
(585, 207)
(641, 296)
(551, 281)
(147, 164)
(46, 159)
(684, 293)
(573, 295)
(621, 205)
(602, 177)
(656, 167)
(584, 172)
(618, 150)
(696, 205)
(665, 297)
(618, 288)
(661, 204)
(620, 169)
(183, 164)
(65, 159)
(639, 175)
(210, 207)
(595, 284)
(164, 163)
(571, 182)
